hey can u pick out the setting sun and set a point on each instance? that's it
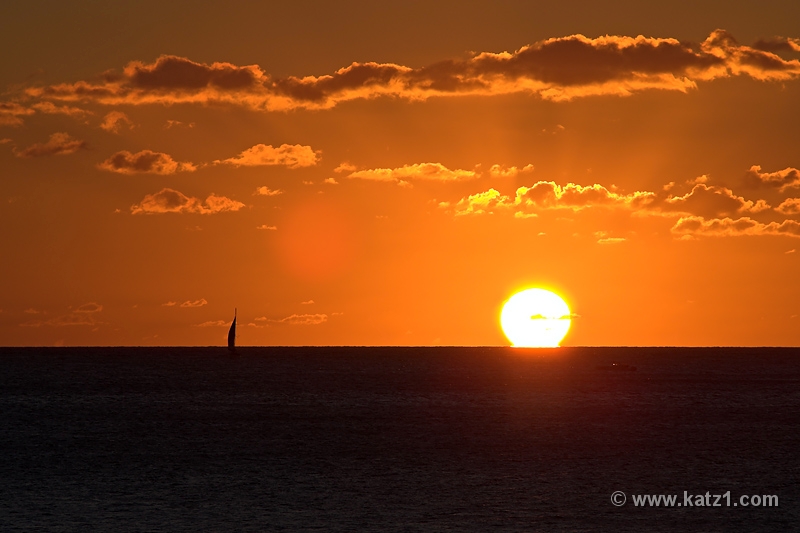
(535, 318)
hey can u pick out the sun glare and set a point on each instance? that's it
(535, 318)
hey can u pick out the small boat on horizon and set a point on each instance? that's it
(619, 367)
(232, 334)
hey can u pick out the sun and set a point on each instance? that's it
(535, 318)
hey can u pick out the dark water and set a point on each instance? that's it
(395, 439)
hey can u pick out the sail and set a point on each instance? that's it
(232, 333)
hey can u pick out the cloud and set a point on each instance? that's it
(59, 144)
(49, 108)
(307, 302)
(481, 203)
(545, 195)
(727, 227)
(83, 315)
(11, 113)
(302, 320)
(712, 201)
(498, 171)
(330, 181)
(175, 123)
(169, 304)
(419, 171)
(168, 80)
(264, 226)
(212, 324)
(292, 156)
(114, 121)
(704, 211)
(197, 303)
(345, 167)
(90, 307)
(172, 72)
(555, 131)
(266, 191)
(549, 195)
(708, 201)
(556, 69)
(145, 161)
(790, 206)
(778, 44)
(783, 179)
(172, 201)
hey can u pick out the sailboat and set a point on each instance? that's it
(232, 334)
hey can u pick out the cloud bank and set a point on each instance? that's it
(705, 210)
(557, 69)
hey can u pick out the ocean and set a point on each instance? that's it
(399, 439)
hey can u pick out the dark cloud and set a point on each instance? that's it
(146, 161)
(711, 201)
(356, 77)
(577, 60)
(554, 69)
(782, 179)
(173, 72)
(778, 44)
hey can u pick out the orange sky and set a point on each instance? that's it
(376, 175)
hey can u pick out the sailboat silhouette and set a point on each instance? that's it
(232, 334)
